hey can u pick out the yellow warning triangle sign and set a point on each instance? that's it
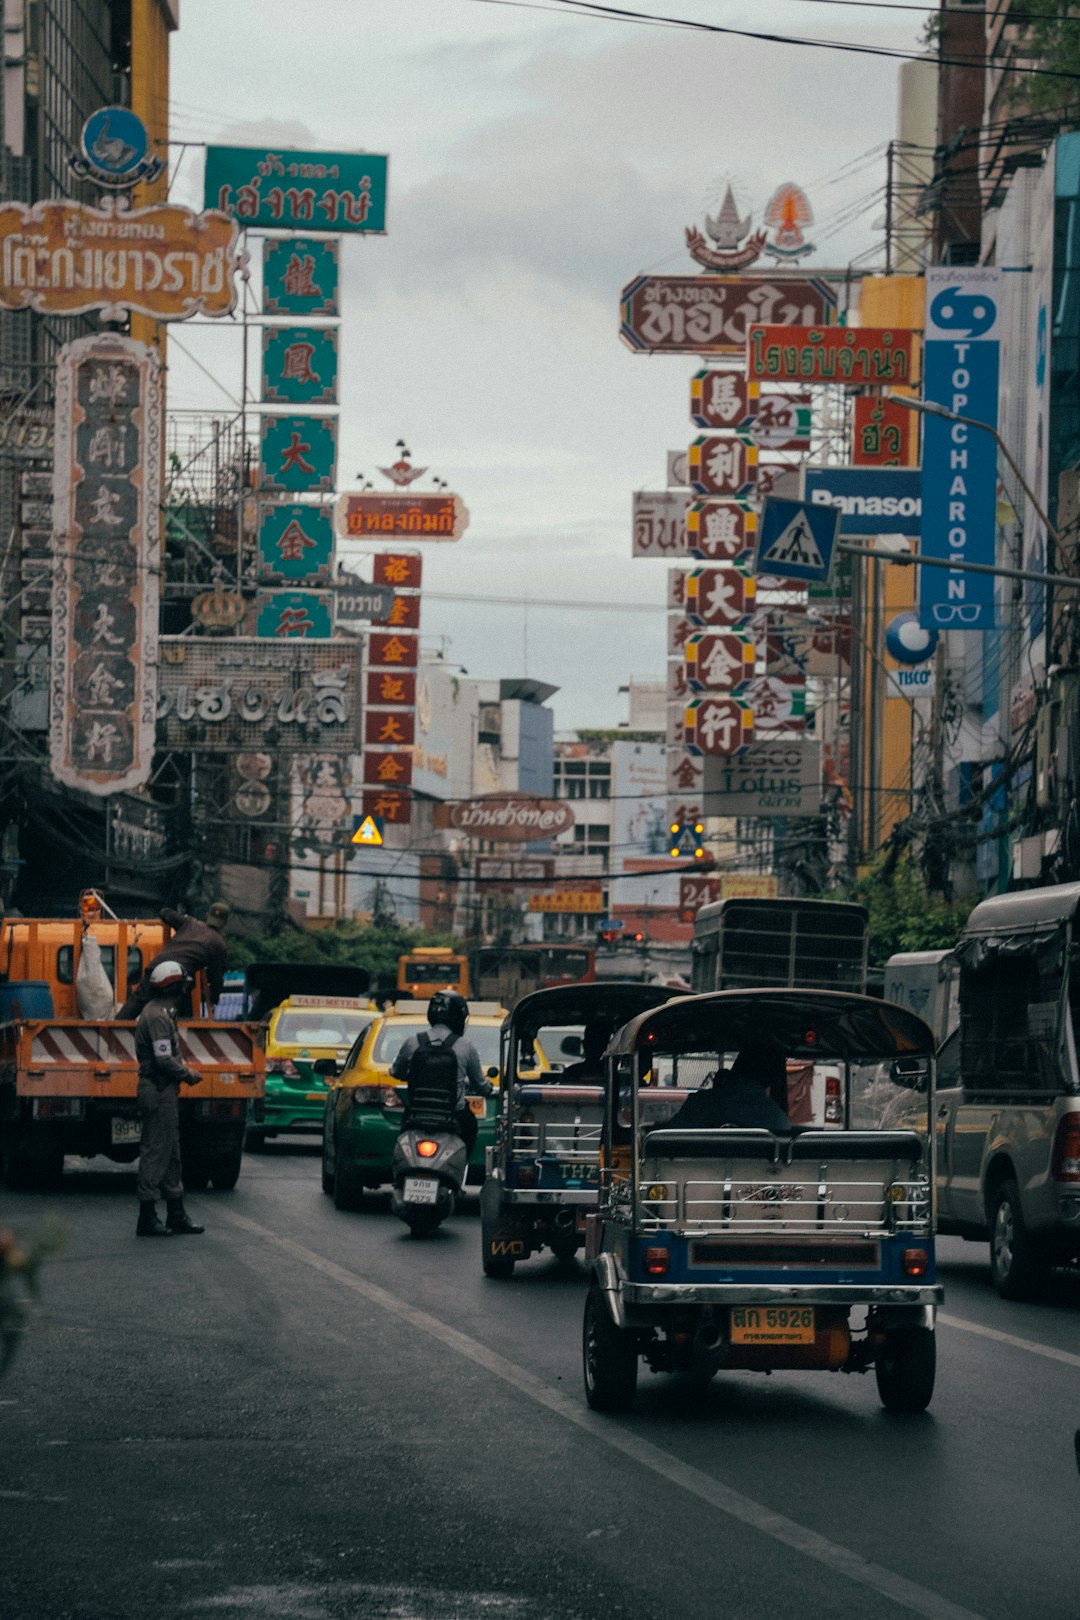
(368, 832)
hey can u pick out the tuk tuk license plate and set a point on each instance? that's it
(772, 1324)
(417, 1190)
(126, 1130)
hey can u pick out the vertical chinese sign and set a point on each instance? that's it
(390, 712)
(106, 563)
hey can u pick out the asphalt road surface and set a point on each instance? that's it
(308, 1415)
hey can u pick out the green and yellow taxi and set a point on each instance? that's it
(362, 1113)
(302, 1031)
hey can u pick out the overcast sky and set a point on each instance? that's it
(538, 161)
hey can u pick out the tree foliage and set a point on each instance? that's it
(1051, 37)
(347, 945)
(903, 916)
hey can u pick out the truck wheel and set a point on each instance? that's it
(347, 1190)
(905, 1370)
(1018, 1266)
(225, 1172)
(609, 1356)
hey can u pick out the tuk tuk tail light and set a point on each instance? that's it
(526, 1175)
(1065, 1161)
(427, 1149)
(915, 1262)
(656, 1262)
(897, 1192)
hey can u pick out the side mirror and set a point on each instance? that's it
(912, 1073)
(325, 1066)
(492, 1072)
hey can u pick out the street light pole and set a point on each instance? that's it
(929, 407)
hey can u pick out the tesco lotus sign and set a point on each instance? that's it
(511, 817)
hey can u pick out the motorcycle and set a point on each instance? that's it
(429, 1165)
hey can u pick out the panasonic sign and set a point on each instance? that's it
(872, 500)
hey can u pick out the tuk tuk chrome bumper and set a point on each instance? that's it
(756, 1293)
(586, 1196)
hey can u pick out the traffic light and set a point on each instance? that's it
(686, 840)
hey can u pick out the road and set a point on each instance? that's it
(307, 1414)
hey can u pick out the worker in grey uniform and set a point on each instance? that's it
(161, 1074)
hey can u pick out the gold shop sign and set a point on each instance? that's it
(62, 258)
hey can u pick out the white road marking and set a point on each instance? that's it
(1031, 1345)
(897, 1588)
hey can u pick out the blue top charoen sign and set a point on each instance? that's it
(872, 500)
(287, 190)
(115, 150)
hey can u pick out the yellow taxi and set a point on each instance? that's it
(362, 1113)
(301, 1031)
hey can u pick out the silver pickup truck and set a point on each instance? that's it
(1008, 1099)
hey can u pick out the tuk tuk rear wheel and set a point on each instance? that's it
(905, 1370)
(609, 1358)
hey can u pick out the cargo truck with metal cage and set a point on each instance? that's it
(68, 1082)
(543, 1170)
(721, 1244)
(793, 942)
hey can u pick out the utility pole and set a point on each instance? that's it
(889, 207)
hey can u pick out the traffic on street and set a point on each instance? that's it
(307, 1413)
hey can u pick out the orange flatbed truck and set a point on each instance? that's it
(67, 1084)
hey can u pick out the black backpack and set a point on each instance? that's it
(433, 1080)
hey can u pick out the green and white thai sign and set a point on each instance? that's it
(299, 365)
(300, 276)
(287, 190)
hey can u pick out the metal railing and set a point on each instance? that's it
(556, 1139)
(818, 1204)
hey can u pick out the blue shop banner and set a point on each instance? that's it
(959, 478)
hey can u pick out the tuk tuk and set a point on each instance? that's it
(807, 1242)
(543, 1171)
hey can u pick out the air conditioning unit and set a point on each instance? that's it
(1057, 756)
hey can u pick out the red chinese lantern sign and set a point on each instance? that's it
(388, 687)
(387, 806)
(720, 531)
(389, 728)
(719, 663)
(403, 570)
(392, 649)
(720, 595)
(721, 466)
(392, 768)
(882, 433)
(719, 725)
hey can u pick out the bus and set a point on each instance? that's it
(746, 944)
(505, 973)
(428, 968)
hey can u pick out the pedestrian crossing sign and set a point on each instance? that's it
(369, 830)
(796, 539)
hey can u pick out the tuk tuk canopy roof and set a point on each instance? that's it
(820, 1024)
(613, 999)
(1028, 908)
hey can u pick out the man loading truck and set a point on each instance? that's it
(196, 946)
(161, 1074)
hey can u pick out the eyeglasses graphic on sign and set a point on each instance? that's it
(950, 613)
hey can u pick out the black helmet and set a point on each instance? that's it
(447, 1007)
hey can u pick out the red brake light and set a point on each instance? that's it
(1065, 1160)
(915, 1262)
(656, 1262)
(426, 1149)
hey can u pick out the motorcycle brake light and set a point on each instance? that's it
(426, 1149)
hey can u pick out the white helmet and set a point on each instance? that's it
(168, 976)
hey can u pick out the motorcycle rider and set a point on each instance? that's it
(447, 1015)
(161, 1074)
